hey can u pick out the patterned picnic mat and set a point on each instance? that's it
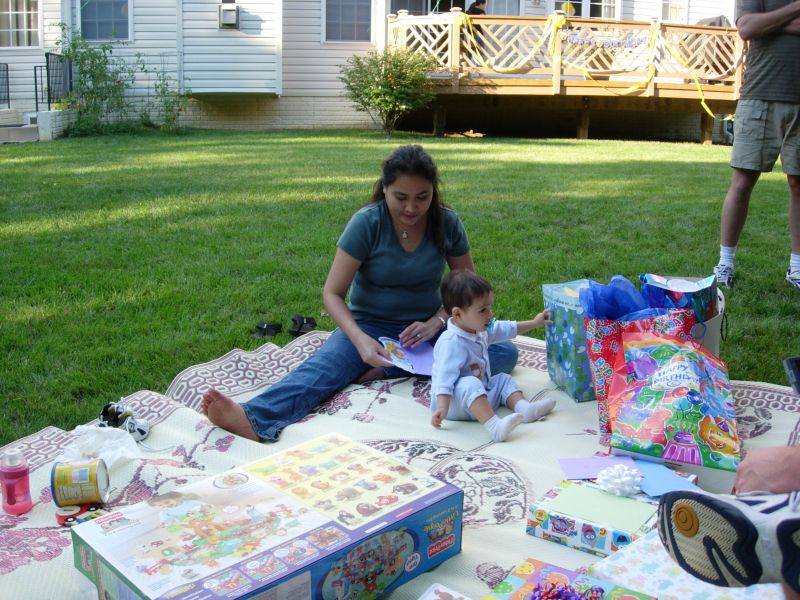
(499, 480)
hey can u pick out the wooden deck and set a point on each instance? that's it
(587, 63)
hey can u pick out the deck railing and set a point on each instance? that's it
(559, 55)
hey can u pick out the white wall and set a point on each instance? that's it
(247, 59)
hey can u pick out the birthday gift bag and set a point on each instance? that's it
(671, 400)
(604, 343)
(677, 292)
(567, 357)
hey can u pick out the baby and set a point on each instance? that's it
(462, 386)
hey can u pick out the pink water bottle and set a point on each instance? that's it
(15, 482)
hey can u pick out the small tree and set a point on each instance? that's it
(388, 84)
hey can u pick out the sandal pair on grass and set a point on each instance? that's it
(300, 325)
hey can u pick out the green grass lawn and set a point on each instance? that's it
(125, 259)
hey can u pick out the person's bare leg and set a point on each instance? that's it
(737, 202)
(227, 414)
(794, 212)
(372, 374)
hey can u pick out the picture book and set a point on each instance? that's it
(417, 360)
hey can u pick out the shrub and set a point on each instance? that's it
(388, 84)
(100, 83)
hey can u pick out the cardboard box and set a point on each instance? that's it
(581, 515)
(522, 581)
(329, 519)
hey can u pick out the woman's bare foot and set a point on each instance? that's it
(228, 414)
(371, 375)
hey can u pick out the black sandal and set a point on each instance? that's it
(301, 325)
(267, 329)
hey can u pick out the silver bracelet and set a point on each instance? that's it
(444, 323)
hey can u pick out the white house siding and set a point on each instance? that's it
(246, 60)
(311, 93)
(22, 60)
(644, 10)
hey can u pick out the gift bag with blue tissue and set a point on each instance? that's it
(617, 308)
(700, 295)
(567, 357)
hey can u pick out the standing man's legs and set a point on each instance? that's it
(734, 215)
(793, 274)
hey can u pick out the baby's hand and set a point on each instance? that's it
(438, 416)
(543, 318)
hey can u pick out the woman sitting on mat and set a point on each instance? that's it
(391, 258)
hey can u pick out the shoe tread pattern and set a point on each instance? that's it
(788, 534)
(712, 555)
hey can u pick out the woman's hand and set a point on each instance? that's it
(420, 331)
(373, 353)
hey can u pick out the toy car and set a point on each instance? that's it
(67, 516)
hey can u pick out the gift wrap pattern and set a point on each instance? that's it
(567, 356)
(645, 566)
(604, 343)
(581, 515)
(671, 400)
(521, 582)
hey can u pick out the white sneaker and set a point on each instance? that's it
(733, 541)
(793, 277)
(724, 275)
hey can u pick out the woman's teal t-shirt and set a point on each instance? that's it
(392, 284)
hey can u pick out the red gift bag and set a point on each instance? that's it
(604, 343)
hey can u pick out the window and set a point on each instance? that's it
(502, 7)
(347, 20)
(603, 9)
(414, 7)
(19, 23)
(104, 19)
(594, 9)
(673, 10)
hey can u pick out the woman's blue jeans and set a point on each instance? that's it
(333, 367)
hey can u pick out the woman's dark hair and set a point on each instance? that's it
(461, 288)
(415, 161)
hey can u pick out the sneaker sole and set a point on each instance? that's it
(711, 539)
(788, 533)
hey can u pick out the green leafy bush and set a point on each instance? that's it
(388, 84)
(100, 83)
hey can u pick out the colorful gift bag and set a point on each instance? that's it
(671, 400)
(604, 343)
(677, 292)
(567, 357)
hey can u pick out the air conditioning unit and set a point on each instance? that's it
(228, 16)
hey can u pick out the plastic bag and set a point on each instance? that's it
(604, 339)
(671, 400)
(111, 444)
(613, 301)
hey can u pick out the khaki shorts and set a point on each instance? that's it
(764, 130)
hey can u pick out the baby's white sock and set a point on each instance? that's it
(533, 411)
(499, 429)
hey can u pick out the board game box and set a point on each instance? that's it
(331, 519)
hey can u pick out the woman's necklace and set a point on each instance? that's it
(404, 234)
